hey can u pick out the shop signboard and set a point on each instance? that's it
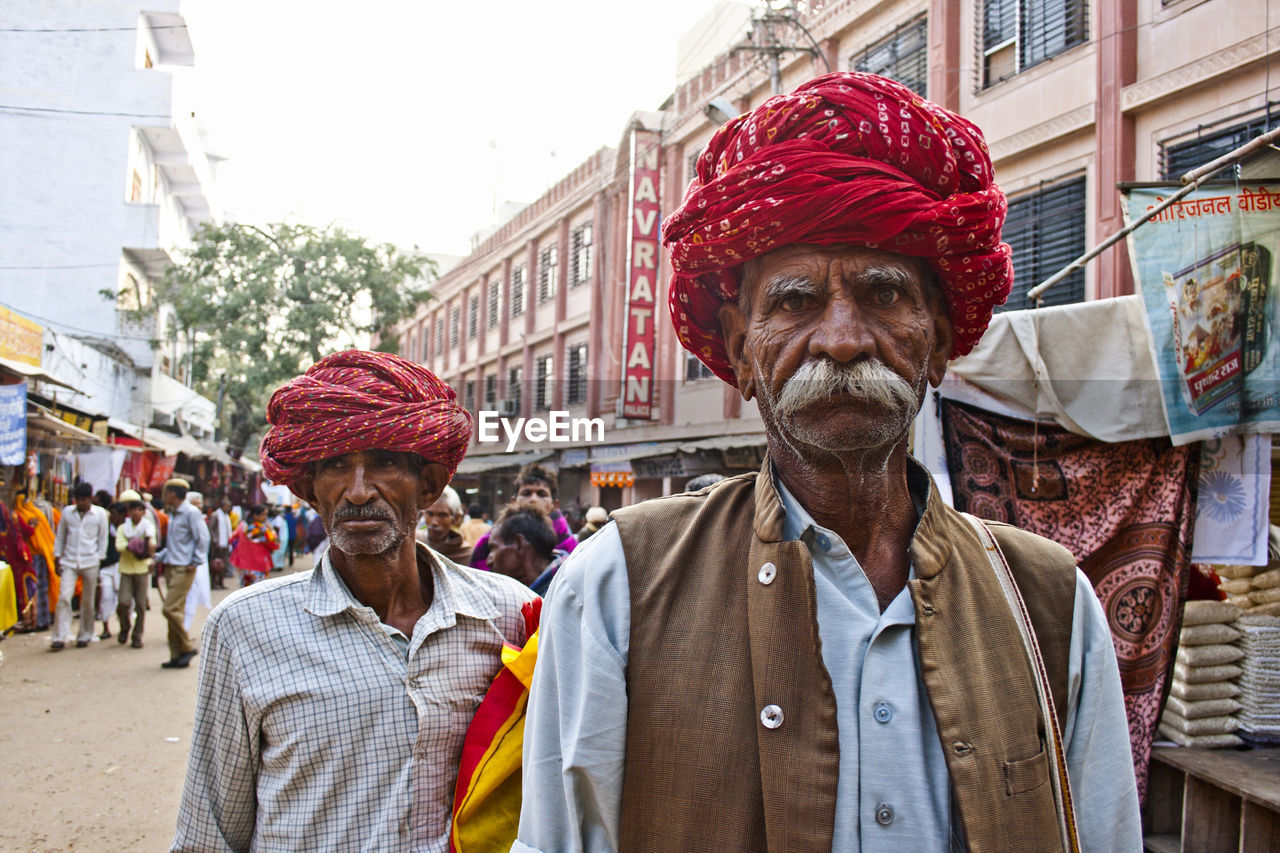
(13, 424)
(20, 339)
(1206, 270)
(642, 275)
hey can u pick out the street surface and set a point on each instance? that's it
(96, 740)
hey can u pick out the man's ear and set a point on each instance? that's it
(944, 337)
(431, 482)
(733, 328)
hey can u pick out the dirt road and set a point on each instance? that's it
(94, 741)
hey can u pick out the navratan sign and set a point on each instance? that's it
(1206, 269)
(642, 276)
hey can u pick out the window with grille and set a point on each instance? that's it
(423, 341)
(495, 292)
(517, 291)
(1019, 34)
(580, 249)
(455, 326)
(577, 375)
(548, 261)
(468, 395)
(1046, 229)
(1210, 143)
(542, 383)
(514, 391)
(473, 316)
(695, 369)
(491, 389)
(902, 56)
(439, 335)
(406, 349)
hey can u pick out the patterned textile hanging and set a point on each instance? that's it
(1125, 510)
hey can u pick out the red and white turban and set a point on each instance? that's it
(359, 400)
(845, 158)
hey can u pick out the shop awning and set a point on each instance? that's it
(31, 371)
(41, 420)
(496, 461)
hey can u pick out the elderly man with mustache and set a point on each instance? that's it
(333, 704)
(824, 655)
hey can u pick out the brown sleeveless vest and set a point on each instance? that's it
(711, 646)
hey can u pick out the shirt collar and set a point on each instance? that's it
(455, 594)
(796, 521)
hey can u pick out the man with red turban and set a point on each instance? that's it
(333, 703)
(824, 655)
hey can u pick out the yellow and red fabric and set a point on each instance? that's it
(360, 400)
(845, 158)
(486, 803)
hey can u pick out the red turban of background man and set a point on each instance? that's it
(358, 400)
(845, 158)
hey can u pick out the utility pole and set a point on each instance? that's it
(770, 32)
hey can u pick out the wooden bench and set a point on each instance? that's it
(1213, 801)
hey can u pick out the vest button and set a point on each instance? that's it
(767, 573)
(884, 814)
(771, 715)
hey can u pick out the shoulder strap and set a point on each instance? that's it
(1058, 767)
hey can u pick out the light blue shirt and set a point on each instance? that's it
(187, 541)
(890, 755)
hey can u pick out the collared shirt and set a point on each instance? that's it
(575, 729)
(187, 542)
(81, 540)
(316, 730)
(131, 564)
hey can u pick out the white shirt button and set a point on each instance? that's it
(884, 814)
(824, 544)
(767, 573)
(771, 715)
(883, 712)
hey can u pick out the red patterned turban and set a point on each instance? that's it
(845, 158)
(358, 400)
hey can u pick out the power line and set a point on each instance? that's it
(132, 29)
(14, 108)
(60, 267)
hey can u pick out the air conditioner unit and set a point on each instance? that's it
(507, 408)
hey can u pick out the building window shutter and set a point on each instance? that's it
(1046, 230)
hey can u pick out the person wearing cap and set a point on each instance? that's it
(136, 542)
(333, 703)
(823, 655)
(186, 545)
(596, 518)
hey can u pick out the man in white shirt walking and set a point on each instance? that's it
(79, 546)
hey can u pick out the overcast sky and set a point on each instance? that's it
(405, 121)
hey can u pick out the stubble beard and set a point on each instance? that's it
(389, 539)
(868, 383)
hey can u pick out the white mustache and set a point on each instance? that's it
(868, 381)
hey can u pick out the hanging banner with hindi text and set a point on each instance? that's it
(1206, 269)
(13, 424)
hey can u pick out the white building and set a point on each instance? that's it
(103, 174)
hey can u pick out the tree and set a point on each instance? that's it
(259, 306)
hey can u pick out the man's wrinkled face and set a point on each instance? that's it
(440, 520)
(536, 493)
(370, 500)
(838, 344)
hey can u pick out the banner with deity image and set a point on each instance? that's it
(1206, 270)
